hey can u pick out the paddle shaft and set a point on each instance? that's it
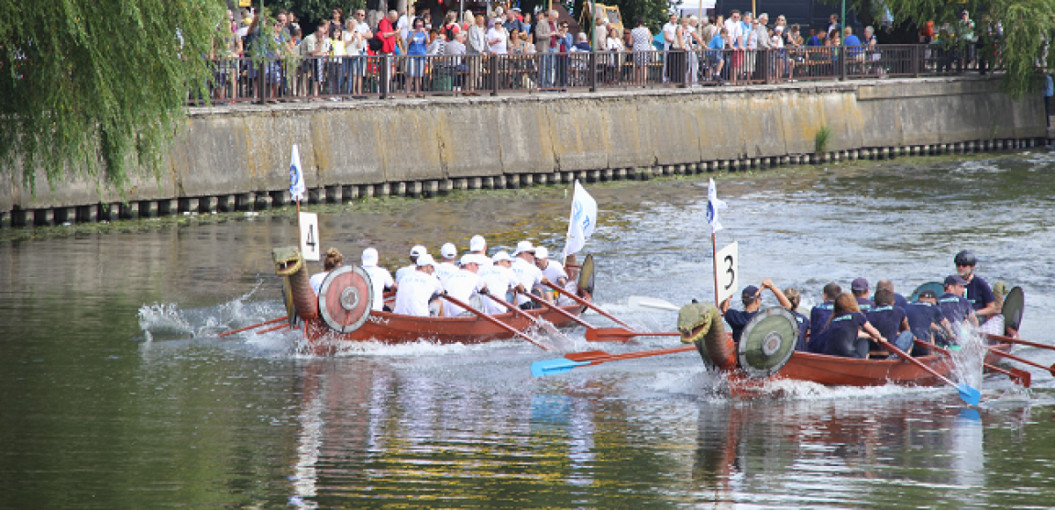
(586, 303)
(642, 354)
(273, 328)
(998, 352)
(254, 326)
(1011, 340)
(620, 334)
(555, 308)
(513, 308)
(496, 322)
(893, 348)
(1021, 377)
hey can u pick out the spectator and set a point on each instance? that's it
(511, 22)
(313, 48)
(417, 43)
(642, 46)
(336, 21)
(527, 26)
(1049, 90)
(497, 37)
(475, 48)
(386, 31)
(455, 50)
(355, 47)
(671, 42)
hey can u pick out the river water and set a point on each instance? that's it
(116, 392)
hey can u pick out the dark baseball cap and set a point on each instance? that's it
(749, 292)
(955, 279)
(859, 284)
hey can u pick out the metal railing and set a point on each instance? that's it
(352, 77)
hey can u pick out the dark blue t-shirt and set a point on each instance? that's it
(804, 326)
(953, 307)
(978, 293)
(900, 300)
(865, 304)
(841, 336)
(737, 319)
(887, 319)
(819, 316)
(920, 317)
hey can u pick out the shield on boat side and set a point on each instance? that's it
(937, 287)
(1014, 303)
(767, 342)
(586, 274)
(345, 298)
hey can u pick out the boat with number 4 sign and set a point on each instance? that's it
(766, 351)
(341, 313)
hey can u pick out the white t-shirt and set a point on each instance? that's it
(405, 270)
(461, 286)
(414, 292)
(316, 281)
(670, 34)
(499, 34)
(499, 280)
(554, 271)
(379, 279)
(528, 275)
(444, 270)
(736, 31)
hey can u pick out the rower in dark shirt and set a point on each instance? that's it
(842, 335)
(889, 319)
(820, 314)
(924, 318)
(752, 300)
(794, 298)
(859, 287)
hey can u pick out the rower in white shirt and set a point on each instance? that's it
(417, 288)
(528, 274)
(415, 252)
(500, 279)
(380, 278)
(464, 285)
(449, 266)
(554, 271)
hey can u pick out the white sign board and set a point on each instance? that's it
(727, 274)
(309, 236)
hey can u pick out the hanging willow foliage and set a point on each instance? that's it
(91, 86)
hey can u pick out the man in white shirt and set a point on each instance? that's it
(528, 274)
(736, 30)
(670, 33)
(418, 288)
(415, 252)
(380, 278)
(478, 246)
(500, 279)
(463, 285)
(449, 265)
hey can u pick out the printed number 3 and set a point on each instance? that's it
(729, 271)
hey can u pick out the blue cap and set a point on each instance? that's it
(955, 279)
(859, 284)
(749, 292)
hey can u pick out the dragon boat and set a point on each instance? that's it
(766, 352)
(341, 313)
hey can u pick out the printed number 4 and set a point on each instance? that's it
(310, 241)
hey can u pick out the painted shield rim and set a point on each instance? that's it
(586, 280)
(782, 352)
(324, 309)
(1014, 303)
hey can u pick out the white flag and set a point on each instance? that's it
(583, 220)
(713, 206)
(297, 190)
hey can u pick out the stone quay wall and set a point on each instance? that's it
(237, 158)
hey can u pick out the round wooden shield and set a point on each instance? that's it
(1014, 303)
(345, 298)
(767, 342)
(586, 274)
(937, 287)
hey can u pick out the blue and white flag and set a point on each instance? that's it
(713, 206)
(583, 220)
(297, 190)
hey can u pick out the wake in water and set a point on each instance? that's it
(168, 321)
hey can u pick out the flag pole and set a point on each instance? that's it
(714, 260)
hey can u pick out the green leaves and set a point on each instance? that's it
(87, 86)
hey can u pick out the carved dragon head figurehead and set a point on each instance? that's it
(701, 324)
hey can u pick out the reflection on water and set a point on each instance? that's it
(117, 393)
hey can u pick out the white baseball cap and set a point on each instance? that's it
(425, 260)
(541, 252)
(470, 258)
(500, 256)
(418, 251)
(477, 243)
(449, 251)
(370, 257)
(524, 246)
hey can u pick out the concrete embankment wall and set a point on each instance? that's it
(232, 158)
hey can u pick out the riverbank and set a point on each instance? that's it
(234, 158)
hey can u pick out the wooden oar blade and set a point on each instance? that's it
(649, 302)
(587, 355)
(554, 366)
(970, 395)
(1021, 377)
(609, 335)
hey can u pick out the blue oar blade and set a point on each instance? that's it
(554, 366)
(970, 395)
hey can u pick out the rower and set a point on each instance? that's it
(794, 298)
(979, 294)
(418, 288)
(752, 300)
(415, 252)
(820, 314)
(500, 280)
(332, 260)
(899, 300)
(449, 266)
(859, 287)
(528, 274)
(464, 284)
(953, 305)
(478, 246)
(924, 318)
(380, 279)
(889, 319)
(554, 271)
(842, 335)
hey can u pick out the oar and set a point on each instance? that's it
(497, 322)
(586, 303)
(620, 334)
(1020, 377)
(272, 328)
(1010, 340)
(534, 320)
(970, 395)
(555, 308)
(561, 365)
(254, 326)
(998, 352)
(650, 302)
